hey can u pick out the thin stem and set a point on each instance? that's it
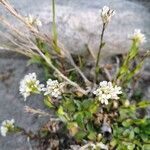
(36, 33)
(54, 29)
(54, 20)
(48, 61)
(68, 55)
(99, 52)
(17, 15)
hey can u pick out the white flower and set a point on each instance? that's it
(29, 84)
(107, 91)
(87, 146)
(102, 146)
(93, 146)
(53, 88)
(106, 14)
(33, 21)
(7, 126)
(138, 36)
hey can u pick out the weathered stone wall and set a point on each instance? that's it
(79, 22)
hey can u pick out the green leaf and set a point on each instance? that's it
(131, 136)
(143, 104)
(94, 108)
(126, 133)
(61, 111)
(92, 136)
(137, 130)
(34, 60)
(78, 104)
(87, 115)
(124, 74)
(79, 118)
(126, 123)
(43, 47)
(113, 143)
(90, 127)
(134, 51)
(80, 135)
(144, 137)
(62, 115)
(133, 72)
(87, 103)
(69, 105)
(140, 121)
(130, 146)
(146, 147)
(48, 102)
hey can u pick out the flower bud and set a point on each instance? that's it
(137, 36)
(126, 103)
(99, 137)
(115, 104)
(106, 14)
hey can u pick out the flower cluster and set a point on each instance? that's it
(107, 91)
(33, 21)
(53, 88)
(7, 126)
(29, 84)
(93, 146)
(138, 36)
(106, 14)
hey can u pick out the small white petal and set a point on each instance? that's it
(106, 14)
(102, 146)
(107, 91)
(53, 88)
(138, 36)
(33, 20)
(6, 125)
(29, 84)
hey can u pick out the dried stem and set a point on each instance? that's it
(36, 33)
(17, 15)
(48, 61)
(35, 111)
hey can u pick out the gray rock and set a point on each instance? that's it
(79, 22)
(12, 70)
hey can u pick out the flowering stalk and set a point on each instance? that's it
(106, 15)
(125, 74)
(99, 52)
(54, 30)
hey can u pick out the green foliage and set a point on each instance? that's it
(125, 73)
(84, 116)
(130, 132)
(48, 102)
(78, 116)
